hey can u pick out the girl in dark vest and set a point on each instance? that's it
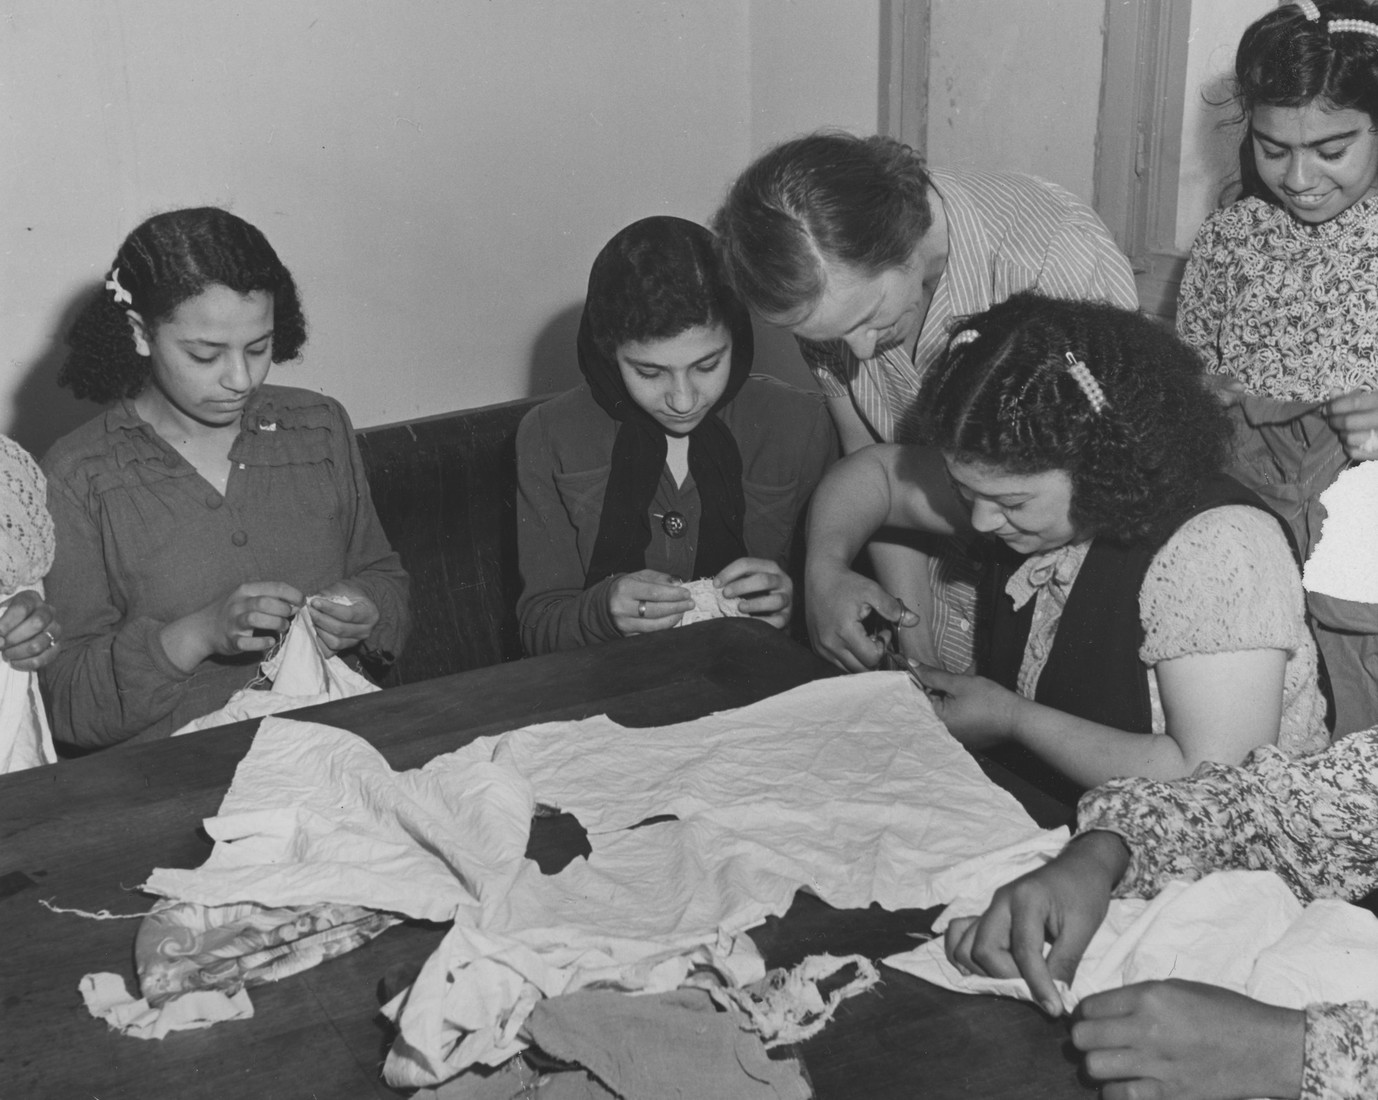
(1136, 589)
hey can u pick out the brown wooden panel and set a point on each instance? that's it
(445, 488)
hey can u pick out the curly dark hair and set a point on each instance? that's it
(1287, 60)
(656, 278)
(166, 261)
(1002, 395)
(859, 201)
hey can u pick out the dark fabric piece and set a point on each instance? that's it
(638, 454)
(1287, 453)
(1094, 670)
(658, 1045)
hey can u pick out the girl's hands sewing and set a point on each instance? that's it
(1179, 1040)
(1062, 902)
(339, 624)
(1354, 418)
(763, 589)
(976, 710)
(28, 631)
(647, 601)
(247, 620)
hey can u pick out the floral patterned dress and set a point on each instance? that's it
(1313, 820)
(1289, 309)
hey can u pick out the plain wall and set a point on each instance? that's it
(1015, 86)
(438, 174)
(1210, 132)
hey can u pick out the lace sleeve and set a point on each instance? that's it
(1224, 582)
(26, 528)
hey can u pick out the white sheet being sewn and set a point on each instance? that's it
(849, 787)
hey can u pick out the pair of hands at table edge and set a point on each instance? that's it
(1352, 416)
(762, 589)
(253, 616)
(1164, 1040)
(29, 632)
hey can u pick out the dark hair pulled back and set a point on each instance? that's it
(1005, 397)
(861, 202)
(1287, 60)
(169, 259)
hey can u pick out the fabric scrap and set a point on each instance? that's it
(1341, 565)
(787, 1007)
(315, 814)
(709, 603)
(671, 1044)
(107, 999)
(183, 947)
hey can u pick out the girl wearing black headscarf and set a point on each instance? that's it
(671, 462)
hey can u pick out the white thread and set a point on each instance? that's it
(104, 914)
(1095, 396)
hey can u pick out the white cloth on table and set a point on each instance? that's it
(1241, 930)
(25, 739)
(850, 788)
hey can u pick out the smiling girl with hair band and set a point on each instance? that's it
(203, 507)
(671, 462)
(1280, 294)
(1140, 590)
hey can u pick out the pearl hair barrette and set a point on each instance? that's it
(1309, 9)
(1352, 26)
(1095, 396)
(966, 336)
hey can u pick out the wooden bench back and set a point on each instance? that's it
(445, 488)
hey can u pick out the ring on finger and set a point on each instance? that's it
(641, 610)
(51, 640)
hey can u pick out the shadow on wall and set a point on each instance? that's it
(44, 411)
(554, 362)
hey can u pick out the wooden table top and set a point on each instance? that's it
(84, 833)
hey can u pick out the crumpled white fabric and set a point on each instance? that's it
(709, 603)
(850, 787)
(1241, 930)
(1341, 564)
(315, 814)
(107, 997)
(302, 673)
(25, 739)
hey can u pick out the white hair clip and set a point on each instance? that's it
(1353, 26)
(1309, 9)
(1095, 396)
(112, 284)
(966, 336)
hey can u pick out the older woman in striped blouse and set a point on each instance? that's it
(867, 256)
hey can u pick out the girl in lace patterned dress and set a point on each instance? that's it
(1141, 592)
(1280, 294)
